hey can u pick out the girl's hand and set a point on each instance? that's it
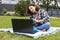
(41, 21)
(36, 20)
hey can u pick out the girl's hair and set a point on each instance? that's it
(37, 8)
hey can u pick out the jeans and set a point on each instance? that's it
(46, 26)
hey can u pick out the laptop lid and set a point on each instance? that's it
(22, 25)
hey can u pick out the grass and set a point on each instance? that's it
(55, 22)
(5, 22)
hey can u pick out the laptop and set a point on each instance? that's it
(22, 26)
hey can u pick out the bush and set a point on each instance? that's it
(4, 11)
(10, 14)
(21, 6)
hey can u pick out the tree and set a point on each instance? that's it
(46, 4)
(55, 3)
(21, 6)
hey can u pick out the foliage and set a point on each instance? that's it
(4, 10)
(46, 4)
(21, 6)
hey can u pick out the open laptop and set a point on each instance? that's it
(22, 26)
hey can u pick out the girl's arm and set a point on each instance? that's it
(45, 17)
(42, 20)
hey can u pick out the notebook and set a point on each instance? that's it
(22, 26)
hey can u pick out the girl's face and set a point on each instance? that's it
(32, 8)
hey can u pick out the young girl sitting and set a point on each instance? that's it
(40, 18)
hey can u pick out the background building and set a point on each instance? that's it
(7, 4)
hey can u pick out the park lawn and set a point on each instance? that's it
(5, 22)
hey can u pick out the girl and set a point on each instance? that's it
(40, 18)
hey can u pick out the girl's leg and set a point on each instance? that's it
(44, 26)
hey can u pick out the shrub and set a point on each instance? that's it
(21, 6)
(4, 11)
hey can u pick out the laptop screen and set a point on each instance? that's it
(22, 25)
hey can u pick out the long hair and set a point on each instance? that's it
(37, 8)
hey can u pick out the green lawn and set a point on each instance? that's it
(5, 22)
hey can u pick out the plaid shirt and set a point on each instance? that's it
(42, 15)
